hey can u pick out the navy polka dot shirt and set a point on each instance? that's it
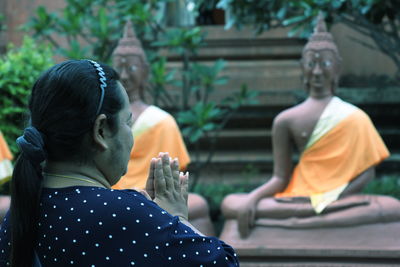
(92, 226)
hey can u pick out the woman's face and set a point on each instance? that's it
(122, 141)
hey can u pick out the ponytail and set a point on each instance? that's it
(26, 185)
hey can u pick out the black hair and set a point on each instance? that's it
(63, 107)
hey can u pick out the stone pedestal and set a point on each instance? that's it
(363, 245)
(359, 230)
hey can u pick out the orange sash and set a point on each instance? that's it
(340, 155)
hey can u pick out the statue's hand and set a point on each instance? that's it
(246, 217)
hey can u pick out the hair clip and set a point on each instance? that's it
(103, 84)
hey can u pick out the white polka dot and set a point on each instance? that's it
(184, 255)
(72, 262)
(74, 241)
(121, 249)
(146, 234)
(123, 228)
(100, 223)
(137, 221)
(215, 262)
(91, 211)
(218, 248)
(180, 242)
(78, 220)
(197, 253)
(128, 208)
(96, 245)
(142, 204)
(54, 206)
(150, 215)
(83, 253)
(66, 199)
(132, 263)
(72, 209)
(110, 236)
(119, 197)
(166, 244)
(87, 232)
(45, 215)
(107, 258)
(60, 217)
(145, 255)
(114, 215)
(49, 248)
(208, 251)
(84, 201)
(169, 258)
(66, 228)
(63, 250)
(157, 247)
(133, 241)
(158, 227)
(105, 203)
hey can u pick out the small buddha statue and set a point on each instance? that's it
(154, 130)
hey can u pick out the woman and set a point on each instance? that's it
(66, 213)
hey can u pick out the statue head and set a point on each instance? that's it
(321, 60)
(130, 61)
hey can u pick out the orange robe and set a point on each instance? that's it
(154, 131)
(5, 160)
(338, 155)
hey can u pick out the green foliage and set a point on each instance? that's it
(378, 19)
(387, 185)
(19, 69)
(200, 119)
(91, 28)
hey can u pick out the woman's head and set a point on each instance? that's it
(65, 102)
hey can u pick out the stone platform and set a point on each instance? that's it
(363, 245)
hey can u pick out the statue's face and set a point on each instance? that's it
(320, 68)
(130, 69)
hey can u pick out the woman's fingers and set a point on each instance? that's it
(175, 174)
(150, 180)
(159, 180)
(184, 184)
(169, 183)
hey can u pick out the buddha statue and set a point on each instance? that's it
(154, 130)
(6, 169)
(339, 148)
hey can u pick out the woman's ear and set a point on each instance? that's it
(99, 131)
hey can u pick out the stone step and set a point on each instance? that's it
(232, 139)
(258, 165)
